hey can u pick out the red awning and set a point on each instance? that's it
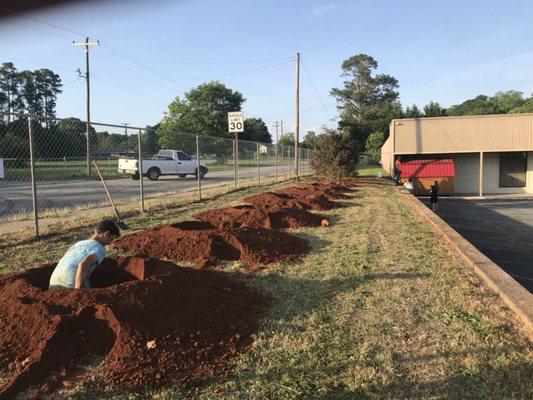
(428, 169)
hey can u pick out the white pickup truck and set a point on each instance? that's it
(166, 162)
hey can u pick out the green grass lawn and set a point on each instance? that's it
(378, 310)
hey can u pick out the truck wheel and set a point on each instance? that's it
(153, 174)
(135, 177)
(182, 175)
(202, 173)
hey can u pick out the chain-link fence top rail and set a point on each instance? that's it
(66, 177)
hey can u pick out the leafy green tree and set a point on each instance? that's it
(526, 107)
(433, 109)
(203, 111)
(480, 105)
(286, 140)
(504, 102)
(150, 140)
(367, 101)
(310, 140)
(373, 145)
(412, 112)
(255, 130)
(338, 156)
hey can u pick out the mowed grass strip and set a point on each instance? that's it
(379, 309)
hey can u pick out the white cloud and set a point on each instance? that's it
(319, 11)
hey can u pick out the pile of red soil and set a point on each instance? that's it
(203, 244)
(151, 322)
(329, 191)
(275, 200)
(349, 182)
(254, 217)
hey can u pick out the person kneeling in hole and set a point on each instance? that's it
(79, 262)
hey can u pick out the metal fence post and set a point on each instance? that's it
(276, 164)
(290, 162)
(308, 160)
(141, 183)
(258, 165)
(235, 162)
(33, 178)
(198, 169)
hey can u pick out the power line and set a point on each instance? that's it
(131, 90)
(39, 30)
(38, 63)
(149, 69)
(316, 90)
(56, 26)
(204, 62)
(146, 77)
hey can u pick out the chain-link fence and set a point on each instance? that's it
(55, 167)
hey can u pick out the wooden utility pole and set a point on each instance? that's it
(297, 128)
(86, 46)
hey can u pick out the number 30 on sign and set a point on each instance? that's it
(236, 121)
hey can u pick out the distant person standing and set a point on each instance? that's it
(397, 170)
(434, 196)
(409, 185)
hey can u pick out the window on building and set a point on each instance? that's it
(513, 167)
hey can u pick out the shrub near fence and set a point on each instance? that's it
(59, 177)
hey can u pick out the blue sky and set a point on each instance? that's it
(154, 51)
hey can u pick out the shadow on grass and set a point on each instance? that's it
(292, 297)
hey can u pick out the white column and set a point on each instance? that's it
(481, 174)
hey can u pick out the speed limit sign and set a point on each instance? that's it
(236, 121)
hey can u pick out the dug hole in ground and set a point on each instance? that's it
(148, 321)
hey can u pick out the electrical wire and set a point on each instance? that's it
(38, 63)
(145, 77)
(55, 26)
(131, 90)
(39, 30)
(316, 90)
(203, 62)
(148, 68)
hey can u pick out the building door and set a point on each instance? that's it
(513, 168)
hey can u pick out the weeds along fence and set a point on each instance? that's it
(47, 166)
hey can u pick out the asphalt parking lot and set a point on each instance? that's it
(501, 228)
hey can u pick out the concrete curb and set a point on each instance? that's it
(517, 298)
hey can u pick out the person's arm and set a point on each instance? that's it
(83, 268)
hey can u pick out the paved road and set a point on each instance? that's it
(16, 197)
(502, 229)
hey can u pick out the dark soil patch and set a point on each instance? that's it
(253, 217)
(209, 245)
(198, 320)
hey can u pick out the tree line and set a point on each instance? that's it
(28, 92)
(368, 101)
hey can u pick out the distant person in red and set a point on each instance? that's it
(397, 170)
(434, 196)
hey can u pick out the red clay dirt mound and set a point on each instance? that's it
(153, 324)
(275, 200)
(329, 191)
(203, 244)
(253, 217)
